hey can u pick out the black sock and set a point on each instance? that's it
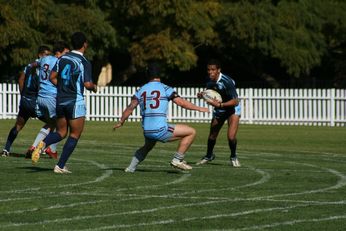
(233, 146)
(211, 144)
(11, 137)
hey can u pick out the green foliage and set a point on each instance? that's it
(166, 30)
(28, 24)
(294, 37)
(289, 32)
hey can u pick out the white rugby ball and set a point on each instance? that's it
(209, 95)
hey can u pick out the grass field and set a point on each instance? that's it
(292, 178)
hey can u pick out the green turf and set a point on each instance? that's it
(292, 178)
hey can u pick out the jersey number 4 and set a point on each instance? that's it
(66, 74)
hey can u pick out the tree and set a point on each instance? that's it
(27, 24)
(168, 31)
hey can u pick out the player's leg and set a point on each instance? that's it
(233, 124)
(53, 137)
(76, 129)
(12, 135)
(44, 131)
(215, 127)
(186, 135)
(140, 155)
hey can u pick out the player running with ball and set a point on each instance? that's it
(228, 109)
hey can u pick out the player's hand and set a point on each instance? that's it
(95, 88)
(117, 125)
(204, 109)
(199, 95)
(214, 103)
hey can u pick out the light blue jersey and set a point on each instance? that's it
(47, 88)
(153, 98)
(46, 99)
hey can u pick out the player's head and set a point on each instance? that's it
(214, 69)
(153, 70)
(78, 40)
(214, 62)
(60, 48)
(43, 51)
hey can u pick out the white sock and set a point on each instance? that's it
(40, 136)
(178, 156)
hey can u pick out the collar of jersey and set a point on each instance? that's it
(77, 52)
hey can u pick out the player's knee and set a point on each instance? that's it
(193, 132)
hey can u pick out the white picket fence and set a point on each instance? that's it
(316, 107)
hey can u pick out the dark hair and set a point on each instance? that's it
(60, 46)
(154, 70)
(214, 62)
(41, 49)
(78, 39)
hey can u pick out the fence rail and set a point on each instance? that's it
(315, 107)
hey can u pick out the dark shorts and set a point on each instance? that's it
(27, 108)
(71, 111)
(223, 115)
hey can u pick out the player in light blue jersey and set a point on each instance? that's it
(71, 74)
(153, 99)
(228, 110)
(28, 87)
(46, 99)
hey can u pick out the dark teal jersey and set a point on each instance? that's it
(225, 86)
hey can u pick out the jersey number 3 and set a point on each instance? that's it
(155, 97)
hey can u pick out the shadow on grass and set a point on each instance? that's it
(33, 169)
(168, 171)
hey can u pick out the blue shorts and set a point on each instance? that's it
(46, 108)
(71, 110)
(27, 108)
(163, 134)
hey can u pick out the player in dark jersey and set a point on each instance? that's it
(28, 86)
(71, 74)
(227, 110)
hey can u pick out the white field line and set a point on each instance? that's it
(340, 183)
(172, 207)
(292, 222)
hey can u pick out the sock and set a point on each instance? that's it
(53, 147)
(12, 135)
(137, 158)
(52, 138)
(40, 136)
(178, 156)
(67, 150)
(211, 144)
(233, 146)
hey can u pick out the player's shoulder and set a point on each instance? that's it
(227, 79)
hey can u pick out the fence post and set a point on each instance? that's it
(332, 107)
(250, 104)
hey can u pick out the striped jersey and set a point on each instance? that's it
(153, 99)
(225, 86)
(31, 82)
(73, 71)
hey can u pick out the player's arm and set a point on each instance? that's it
(90, 86)
(21, 79)
(54, 77)
(187, 104)
(229, 103)
(127, 112)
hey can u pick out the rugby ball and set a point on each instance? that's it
(210, 95)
